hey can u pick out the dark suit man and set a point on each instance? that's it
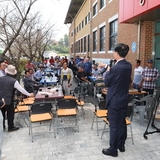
(117, 80)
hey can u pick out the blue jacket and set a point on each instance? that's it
(87, 67)
(118, 80)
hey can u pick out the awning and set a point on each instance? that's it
(73, 10)
(133, 11)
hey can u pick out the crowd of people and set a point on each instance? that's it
(117, 79)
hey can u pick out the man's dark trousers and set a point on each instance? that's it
(10, 115)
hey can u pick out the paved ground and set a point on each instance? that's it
(82, 145)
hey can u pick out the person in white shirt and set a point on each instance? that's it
(8, 85)
(66, 78)
(95, 70)
(137, 75)
(38, 74)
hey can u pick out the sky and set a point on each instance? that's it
(55, 11)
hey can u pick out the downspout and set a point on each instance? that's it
(138, 40)
(73, 34)
(90, 32)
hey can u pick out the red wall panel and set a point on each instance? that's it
(153, 3)
(138, 9)
(132, 8)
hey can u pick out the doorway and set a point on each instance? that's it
(157, 47)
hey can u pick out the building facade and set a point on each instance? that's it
(97, 25)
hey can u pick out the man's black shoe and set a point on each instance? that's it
(122, 149)
(13, 129)
(109, 153)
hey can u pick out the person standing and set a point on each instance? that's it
(149, 77)
(8, 85)
(51, 60)
(29, 65)
(87, 67)
(137, 75)
(2, 103)
(66, 78)
(2, 67)
(118, 80)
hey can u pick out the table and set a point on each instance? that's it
(49, 81)
(97, 84)
(131, 92)
(93, 78)
(46, 94)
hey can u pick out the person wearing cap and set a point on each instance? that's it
(149, 77)
(2, 67)
(80, 64)
(8, 85)
(137, 75)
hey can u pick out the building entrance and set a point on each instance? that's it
(157, 47)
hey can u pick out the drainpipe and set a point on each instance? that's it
(73, 34)
(139, 38)
(90, 30)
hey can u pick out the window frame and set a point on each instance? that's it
(95, 41)
(113, 33)
(95, 9)
(102, 38)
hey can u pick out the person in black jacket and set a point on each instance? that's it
(29, 84)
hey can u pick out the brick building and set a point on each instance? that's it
(97, 25)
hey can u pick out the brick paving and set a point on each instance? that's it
(82, 145)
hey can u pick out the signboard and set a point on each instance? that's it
(134, 47)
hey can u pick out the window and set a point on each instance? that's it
(102, 3)
(72, 34)
(86, 20)
(75, 47)
(79, 46)
(72, 48)
(89, 17)
(79, 27)
(74, 31)
(94, 41)
(88, 43)
(95, 9)
(85, 44)
(113, 34)
(82, 23)
(102, 38)
(82, 45)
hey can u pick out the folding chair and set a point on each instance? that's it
(143, 105)
(78, 100)
(99, 113)
(27, 101)
(128, 123)
(38, 113)
(22, 111)
(66, 108)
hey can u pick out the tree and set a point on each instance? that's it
(13, 15)
(66, 40)
(22, 32)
